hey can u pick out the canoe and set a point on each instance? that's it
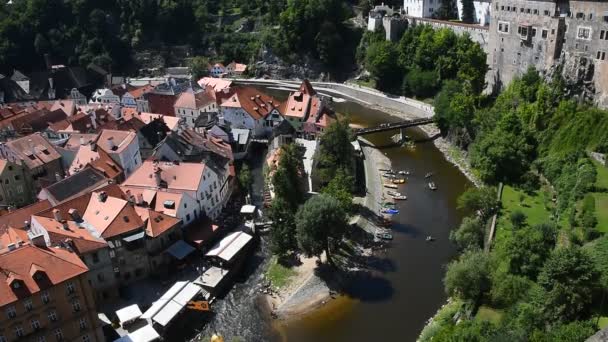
(389, 211)
(400, 198)
(391, 186)
(393, 193)
(404, 173)
(399, 181)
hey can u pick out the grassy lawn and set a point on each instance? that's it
(601, 211)
(603, 322)
(536, 207)
(278, 274)
(602, 175)
(486, 313)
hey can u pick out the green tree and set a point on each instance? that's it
(336, 153)
(199, 67)
(468, 277)
(341, 188)
(245, 178)
(571, 332)
(469, 234)
(482, 201)
(381, 61)
(468, 11)
(319, 222)
(569, 278)
(507, 288)
(287, 179)
(330, 44)
(420, 83)
(518, 219)
(447, 10)
(283, 230)
(528, 248)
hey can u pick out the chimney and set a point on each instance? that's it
(157, 177)
(38, 241)
(74, 214)
(26, 224)
(57, 176)
(92, 146)
(31, 145)
(57, 215)
(139, 199)
(102, 196)
(111, 144)
(64, 224)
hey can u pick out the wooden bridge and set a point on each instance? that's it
(394, 125)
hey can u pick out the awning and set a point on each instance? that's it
(212, 277)
(128, 314)
(230, 246)
(187, 294)
(164, 299)
(134, 237)
(180, 249)
(168, 312)
(143, 334)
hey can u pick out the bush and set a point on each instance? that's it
(421, 83)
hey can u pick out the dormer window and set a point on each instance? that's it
(16, 284)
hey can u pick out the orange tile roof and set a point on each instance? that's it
(82, 240)
(112, 216)
(121, 140)
(34, 150)
(17, 218)
(191, 100)
(159, 223)
(217, 84)
(182, 176)
(257, 104)
(12, 236)
(59, 265)
(74, 141)
(140, 91)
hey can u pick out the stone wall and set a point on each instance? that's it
(478, 33)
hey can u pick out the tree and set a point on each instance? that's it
(507, 288)
(420, 83)
(528, 248)
(447, 10)
(506, 153)
(336, 153)
(518, 219)
(320, 221)
(381, 61)
(283, 230)
(468, 11)
(569, 278)
(329, 43)
(288, 176)
(469, 234)
(198, 67)
(245, 178)
(482, 201)
(340, 188)
(571, 332)
(468, 277)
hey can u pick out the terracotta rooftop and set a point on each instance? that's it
(171, 121)
(158, 223)
(111, 216)
(182, 176)
(113, 141)
(217, 84)
(35, 268)
(74, 142)
(12, 236)
(140, 91)
(162, 103)
(34, 150)
(257, 104)
(82, 240)
(193, 100)
(17, 218)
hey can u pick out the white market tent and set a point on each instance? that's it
(212, 277)
(128, 314)
(143, 334)
(229, 246)
(164, 310)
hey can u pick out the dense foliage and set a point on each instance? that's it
(108, 33)
(423, 60)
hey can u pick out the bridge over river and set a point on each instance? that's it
(395, 125)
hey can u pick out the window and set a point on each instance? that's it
(118, 243)
(503, 27)
(533, 32)
(502, 8)
(583, 33)
(543, 33)
(546, 12)
(45, 297)
(28, 305)
(35, 324)
(70, 287)
(82, 323)
(535, 11)
(17, 177)
(590, 16)
(52, 316)
(528, 10)
(580, 15)
(602, 34)
(521, 10)
(11, 312)
(58, 335)
(187, 217)
(112, 254)
(76, 306)
(18, 331)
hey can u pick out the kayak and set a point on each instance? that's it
(399, 181)
(391, 186)
(389, 211)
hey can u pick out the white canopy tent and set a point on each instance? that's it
(229, 246)
(143, 334)
(128, 314)
(167, 313)
(162, 301)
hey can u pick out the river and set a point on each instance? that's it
(406, 288)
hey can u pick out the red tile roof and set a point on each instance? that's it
(57, 265)
(161, 103)
(17, 218)
(34, 150)
(191, 100)
(257, 104)
(81, 239)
